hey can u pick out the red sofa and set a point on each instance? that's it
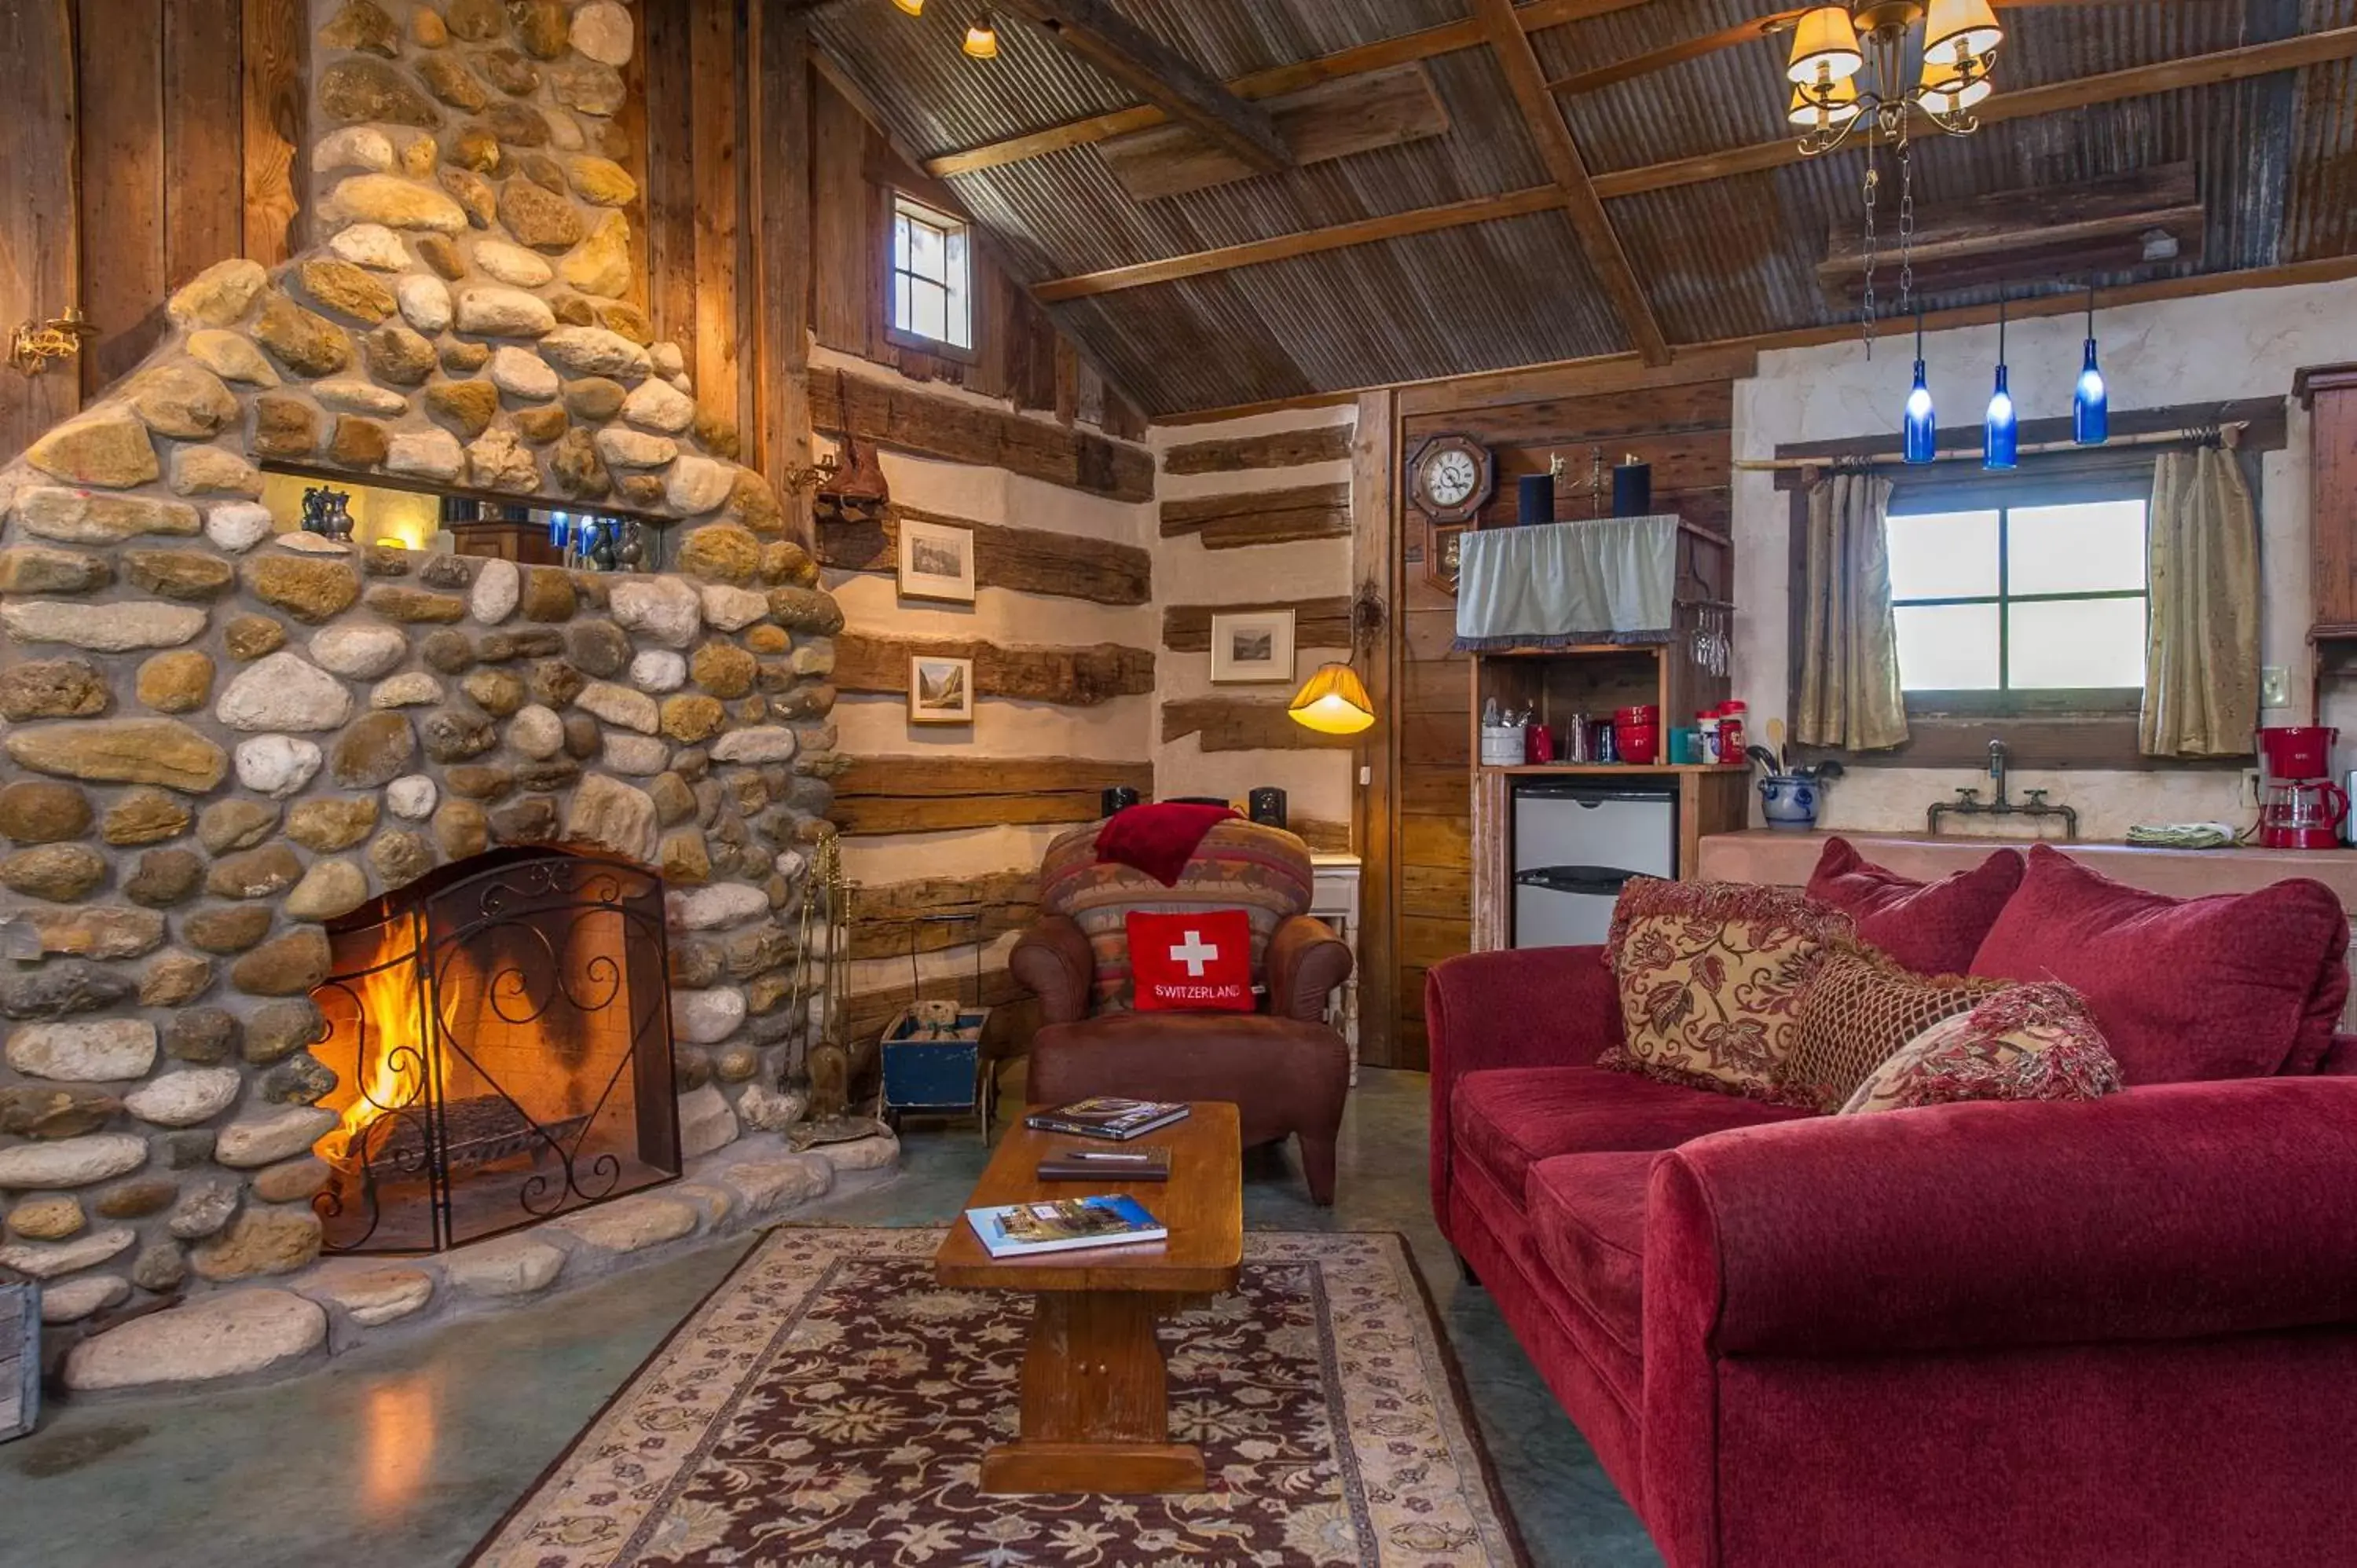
(2116, 1332)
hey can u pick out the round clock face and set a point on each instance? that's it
(1449, 477)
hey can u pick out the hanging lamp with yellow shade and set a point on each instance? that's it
(982, 37)
(1334, 701)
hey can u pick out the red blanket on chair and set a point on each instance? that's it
(1158, 840)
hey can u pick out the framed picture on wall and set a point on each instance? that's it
(1252, 645)
(936, 561)
(940, 691)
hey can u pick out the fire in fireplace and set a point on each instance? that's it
(500, 1034)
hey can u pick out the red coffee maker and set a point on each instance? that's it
(2299, 805)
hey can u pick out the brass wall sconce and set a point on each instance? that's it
(35, 344)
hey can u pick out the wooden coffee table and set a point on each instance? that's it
(1095, 1413)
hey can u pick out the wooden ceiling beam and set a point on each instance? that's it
(1737, 357)
(1163, 77)
(2166, 76)
(1560, 153)
(1309, 242)
(1446, 39)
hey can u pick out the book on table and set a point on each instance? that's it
(1104, 1116)
(1064, 1225)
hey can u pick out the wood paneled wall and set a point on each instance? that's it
(142, 141)
(1685, 428)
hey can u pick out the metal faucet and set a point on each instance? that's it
(1968, 802)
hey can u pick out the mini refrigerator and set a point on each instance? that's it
(1575, 842)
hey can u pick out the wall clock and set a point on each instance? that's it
(1450, 477)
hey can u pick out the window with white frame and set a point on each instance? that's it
(2014, 601)
(932, 275)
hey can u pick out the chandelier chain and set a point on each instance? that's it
(1906, 227)
(1873, 183)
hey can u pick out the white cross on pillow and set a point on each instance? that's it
(1194, 952)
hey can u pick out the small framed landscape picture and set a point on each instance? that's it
(1252, 645)
(936, 561)
(940, 691)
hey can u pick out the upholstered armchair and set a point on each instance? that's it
(1286, 1070)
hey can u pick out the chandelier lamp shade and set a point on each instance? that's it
(2091, 402)
(1921, 423)
(912, 7)
(982, 37)
(1835, 47)
(2000, 427)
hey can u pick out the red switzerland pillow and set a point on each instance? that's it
(1196, 961)
(2233, 985)
(1931, 928)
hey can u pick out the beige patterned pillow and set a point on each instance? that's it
(1712, 974)
(2027, 1042)
(1862, 1006)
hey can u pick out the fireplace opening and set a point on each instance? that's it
(500, 1034)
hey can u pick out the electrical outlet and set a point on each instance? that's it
(2274, 686)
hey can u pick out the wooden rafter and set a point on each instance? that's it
(1560, 153)
(1164, 78)
(1446, 39)
(1366, 231)
(2165, 76)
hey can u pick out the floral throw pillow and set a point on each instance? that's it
(2028, 1042)
(1711, 977)
(1862, 1008)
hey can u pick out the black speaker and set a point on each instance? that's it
(1268, 806)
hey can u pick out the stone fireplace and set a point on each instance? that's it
(243, 760)
(500, 1033)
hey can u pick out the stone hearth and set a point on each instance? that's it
(222, 735)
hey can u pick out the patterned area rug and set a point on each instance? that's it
(829, 1404)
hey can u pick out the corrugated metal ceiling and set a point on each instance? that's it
(2276, 158)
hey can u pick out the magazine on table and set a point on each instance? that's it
(1103, 1116)
(1026, 1229)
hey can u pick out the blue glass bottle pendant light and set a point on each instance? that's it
(2000, 432)
(1920, 424)
(2091, 404)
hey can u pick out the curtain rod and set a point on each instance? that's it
(2228, 433)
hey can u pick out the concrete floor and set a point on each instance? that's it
(406, 1454)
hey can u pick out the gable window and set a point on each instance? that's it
(932, 275)
(2007, 600)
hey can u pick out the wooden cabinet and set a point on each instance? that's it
(2329, 392)
(1560, 682)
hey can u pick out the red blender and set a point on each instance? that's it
(2300, 805)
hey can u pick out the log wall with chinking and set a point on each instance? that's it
(1255, 513)
(951, 819)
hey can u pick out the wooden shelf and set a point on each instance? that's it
(1575, 649)
(1608, 770)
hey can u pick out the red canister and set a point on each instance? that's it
(1640, 743)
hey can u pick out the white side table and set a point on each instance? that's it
(1336, 903)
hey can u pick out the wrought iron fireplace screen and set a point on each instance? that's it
(500, 1034)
